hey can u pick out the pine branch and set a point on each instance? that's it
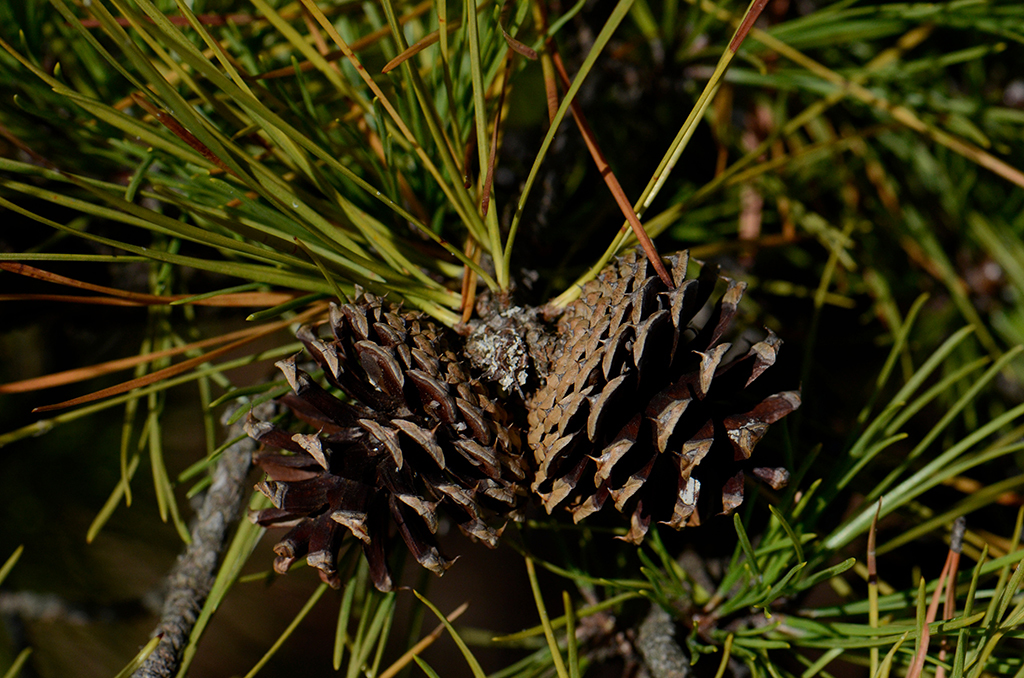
(189, 582)
(657, 643)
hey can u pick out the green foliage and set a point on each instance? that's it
(865, 157)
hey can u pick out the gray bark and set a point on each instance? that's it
(192, 576)
(657, 643)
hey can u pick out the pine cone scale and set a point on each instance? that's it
(381, 367)
(606, 404)
(424, 437)
(666, 419)
(434, 396)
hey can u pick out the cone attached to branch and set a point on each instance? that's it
(417, 437)
(647, 408)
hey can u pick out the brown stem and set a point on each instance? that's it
(485, 194)
(611, 180)
(956, 544)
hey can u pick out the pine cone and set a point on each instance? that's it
(642, 393)
(417, 435)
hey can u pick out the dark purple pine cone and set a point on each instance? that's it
(416, 436)
(646, 407)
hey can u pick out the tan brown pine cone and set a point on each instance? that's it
(646, 405)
